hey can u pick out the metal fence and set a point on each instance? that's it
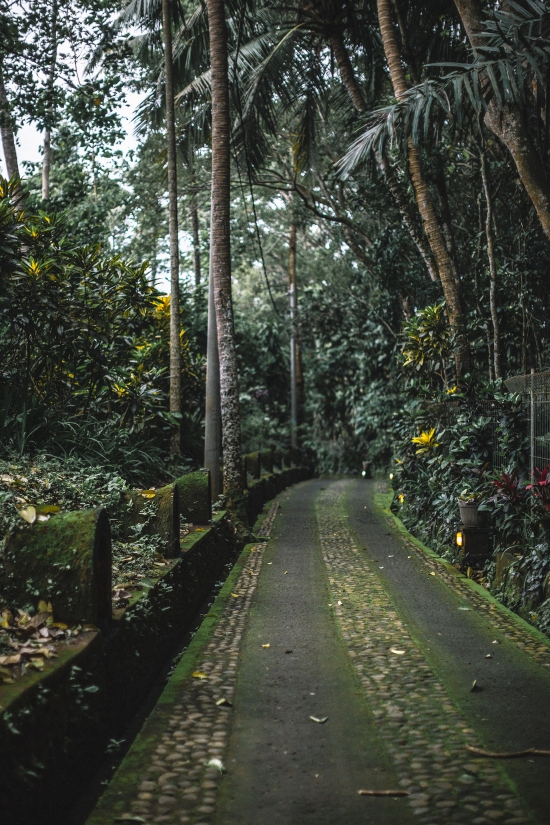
(535, 390)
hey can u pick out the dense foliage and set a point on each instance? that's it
(409, 317)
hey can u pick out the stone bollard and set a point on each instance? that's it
(66, 561)
(195, 497)
(253, 465)
(159, 512)
(266, 460)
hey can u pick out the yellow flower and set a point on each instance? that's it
(452, 390)
(426, 442)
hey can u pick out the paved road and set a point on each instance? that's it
(339, 617)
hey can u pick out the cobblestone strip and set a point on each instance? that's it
(178, 785)
(539, 651)
(267, 524)
(423, 731)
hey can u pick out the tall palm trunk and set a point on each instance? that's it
(47, 147)
(196, 236)
(347, 76)
(220, 246)
(212, 415)
(293, 353)
(175, 345)
(8, 139)
(445, 265)
(508, 124)
(492, 265)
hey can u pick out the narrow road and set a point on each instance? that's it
(341, 619)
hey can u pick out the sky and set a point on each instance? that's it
(29, 141)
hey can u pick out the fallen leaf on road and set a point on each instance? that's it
(199, 674)
(339, 603)
(383, 793)
(235, 595)
(320, 721)
(397, 652)
(475, 686)
(463, 608)
(286, 571)
(216, 763)
(288, 651)
(224, 703)
(266, 646)
(488, 656)
(496, 642)
(149, 493)
(507, 755)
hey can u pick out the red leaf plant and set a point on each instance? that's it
(541, 486)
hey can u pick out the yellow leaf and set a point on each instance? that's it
(28, 513)
(47, 509)
(149, 493)
(45, 607)
(6, 618)
(223, 702)
(199, 674)
(37, 662)
(320, 720)
(266, 645)
(235, 595)
(60, 625)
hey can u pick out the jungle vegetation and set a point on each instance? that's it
(384, 162)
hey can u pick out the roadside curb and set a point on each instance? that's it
(382, 502)
(123, 782)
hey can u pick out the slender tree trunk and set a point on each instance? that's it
(6, 128)
(293, 303)
(196, 237)
(400, 199)
(349, 80)
(407, 54)
(492, 265)
(488, 338)
(220, 245)
(509, 125)
(213, 418)
(175, 345)
(47, 146)
(445, 265)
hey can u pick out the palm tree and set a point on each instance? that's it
(508, 121)
(220, 251)
(445, 265)
(175, 344)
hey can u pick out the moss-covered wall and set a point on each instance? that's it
(53, 733)
(270, 486)
(195, 497)
(66, 561)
